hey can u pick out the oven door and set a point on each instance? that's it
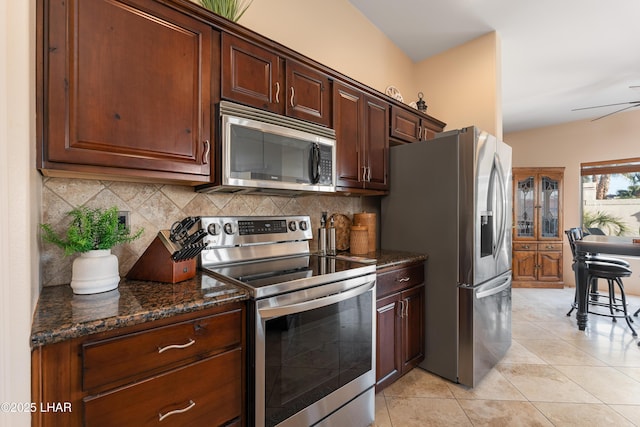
(314, 355)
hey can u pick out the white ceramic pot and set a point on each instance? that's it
(94, 272)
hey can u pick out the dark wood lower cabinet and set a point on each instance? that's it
(400, 323)
(186, 370)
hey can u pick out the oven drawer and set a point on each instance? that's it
(180, 397)
(396, 280)
(132, 357)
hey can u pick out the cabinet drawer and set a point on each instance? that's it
(549, 246)
(208, 392)
(131, 357)
(524, 246)
(397, 280)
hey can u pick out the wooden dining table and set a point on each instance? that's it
(592, 244)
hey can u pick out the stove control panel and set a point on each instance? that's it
(247, 230)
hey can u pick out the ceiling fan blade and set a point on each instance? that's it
(637, 104)
(608, 105)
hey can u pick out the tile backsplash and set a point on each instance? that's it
(156, 207)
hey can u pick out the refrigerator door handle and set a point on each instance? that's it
(503, 202)
(495, 290)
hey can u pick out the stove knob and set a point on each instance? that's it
(214, 229)
(228, 228)
(292, 226)
(304, 225)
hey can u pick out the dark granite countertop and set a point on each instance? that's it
(387, 258)
(61, 315)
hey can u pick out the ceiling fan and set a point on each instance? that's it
(629, 105)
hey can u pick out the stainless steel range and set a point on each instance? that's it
(311, 326)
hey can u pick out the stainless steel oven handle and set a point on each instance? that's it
(271, 312)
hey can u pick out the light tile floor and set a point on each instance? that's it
(553, 375)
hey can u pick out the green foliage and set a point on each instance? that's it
(90, 229)
(230, 9)
(615, 225)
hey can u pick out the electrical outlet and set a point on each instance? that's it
(123, 218)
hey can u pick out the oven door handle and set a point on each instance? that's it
(271, 312)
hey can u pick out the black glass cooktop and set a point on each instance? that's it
(279, 275)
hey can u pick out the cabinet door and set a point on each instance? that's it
(251, 74)
(388, 340)
(549, 209)
(412, 327)
(127, 87)
(405, 126)
(376, 143)
(348, 121)
(524, 203)
(308, 94)
(549, 266)
(524, 265)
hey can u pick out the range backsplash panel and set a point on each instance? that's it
(156, 207)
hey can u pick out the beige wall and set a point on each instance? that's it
(19, 189)
(336, 34)
(462, 86)
(568, 145)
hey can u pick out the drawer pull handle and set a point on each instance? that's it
(172, 346)
(526, 246)
(404, 279)
(177, 411)
(207, 149)
(277, 93)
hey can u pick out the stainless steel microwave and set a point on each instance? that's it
(266, 152)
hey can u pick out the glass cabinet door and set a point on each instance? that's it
(523, 205)
(549, 206)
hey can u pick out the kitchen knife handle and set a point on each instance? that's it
(162, 416)
(176, 346)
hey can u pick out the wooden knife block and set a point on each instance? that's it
(156, 265)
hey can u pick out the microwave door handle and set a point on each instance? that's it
(315, 163)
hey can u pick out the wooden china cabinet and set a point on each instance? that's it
(537, 227)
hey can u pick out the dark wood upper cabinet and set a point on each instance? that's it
(361, 123)
(348, 122)
(126, 90)
(408, 126)
(259, 77)
(308, 94)
(250, 74)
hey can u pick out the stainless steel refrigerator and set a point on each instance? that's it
(450, 198)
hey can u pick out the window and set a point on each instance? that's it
(611, 197)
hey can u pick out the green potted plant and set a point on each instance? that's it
(230, 9)
(92, 233)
